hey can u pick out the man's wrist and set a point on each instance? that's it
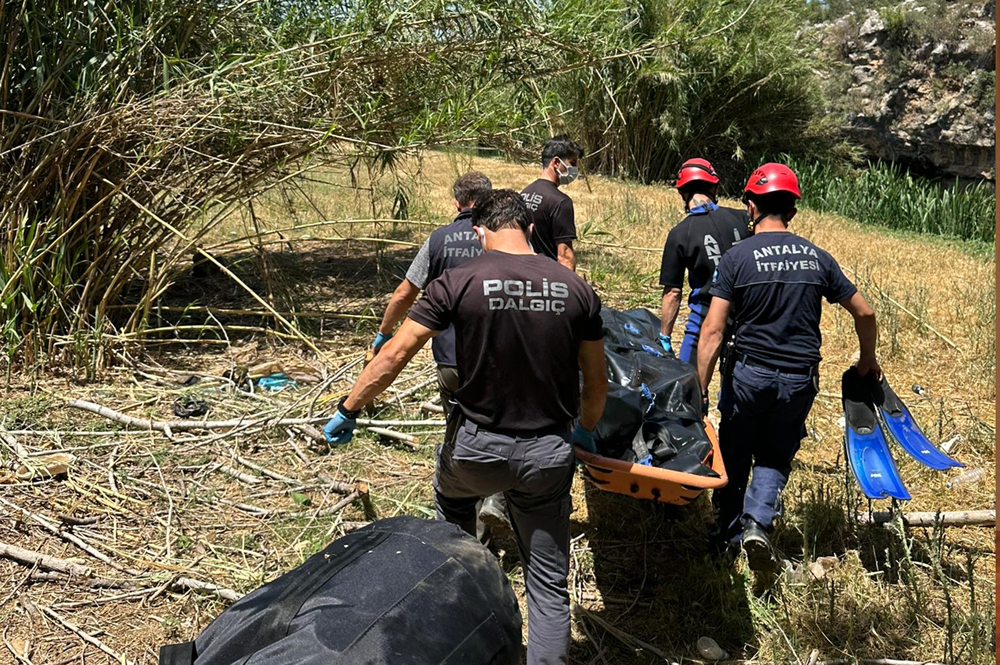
(350, 414)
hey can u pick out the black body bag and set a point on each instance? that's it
(404, 591)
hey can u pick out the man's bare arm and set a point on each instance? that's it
(565, 255)
(400, 302)
(384, 368)
(710, 340)
(670, 305)
(867, 330)
(595, 382)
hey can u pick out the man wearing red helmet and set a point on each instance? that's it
(695, 245)
(773, 285)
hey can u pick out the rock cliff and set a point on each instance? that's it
(915, 83)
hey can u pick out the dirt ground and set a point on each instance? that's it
(235, 507)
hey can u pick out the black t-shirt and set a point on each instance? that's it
(776, 283)
(552, 215)
(519, 321)
(697, 245)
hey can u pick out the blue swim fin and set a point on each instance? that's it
(899, 424)
(866, 449)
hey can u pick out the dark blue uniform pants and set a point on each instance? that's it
(763, 422)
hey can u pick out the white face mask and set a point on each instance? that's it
(571, 174)
(481, 235)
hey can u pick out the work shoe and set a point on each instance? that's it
(760, 555)
(494, 515)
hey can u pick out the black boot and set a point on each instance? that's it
(493, 514)
(760, 554)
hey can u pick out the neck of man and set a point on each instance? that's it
(549, 173)
(770, 224)
(509, 241)
(698, 200)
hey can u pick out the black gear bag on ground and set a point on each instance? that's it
(401, 591)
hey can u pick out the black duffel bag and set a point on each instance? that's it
(404, 591)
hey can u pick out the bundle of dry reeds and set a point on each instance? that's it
(128, 129)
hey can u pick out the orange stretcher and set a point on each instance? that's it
(650, 482)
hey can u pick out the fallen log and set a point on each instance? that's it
(956, 518)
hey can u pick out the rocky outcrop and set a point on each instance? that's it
(915, 83)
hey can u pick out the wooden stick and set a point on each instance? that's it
(956, 518)
(397, 436)
(340, 505)
(31, 558)
(342, 488)
(189, 584)
(631, 641)
(274, 475)
(366, 501)
(93, 582)
(238, 475)
(433, 408)
(187, 425)
(86, 637)
(365, 422)
(409, 391)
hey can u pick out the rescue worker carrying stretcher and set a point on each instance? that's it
(526, 327)
(695, 245)
(772, 284)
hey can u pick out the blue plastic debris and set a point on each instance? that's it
(275, 383)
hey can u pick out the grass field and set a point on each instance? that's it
(164, 509)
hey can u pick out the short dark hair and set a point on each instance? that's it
(561, 146)
(501, 209)
(775, 203)
(470, 188)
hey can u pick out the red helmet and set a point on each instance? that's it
(696, 169)
(771, 178)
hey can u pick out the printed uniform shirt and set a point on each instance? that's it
(447, 247)
(553, 217)
(776, 283)
(520, 320)
(697, 245)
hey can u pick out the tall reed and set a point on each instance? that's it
(889, 195)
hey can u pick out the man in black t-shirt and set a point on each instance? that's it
(696, 245)
(773, 284)
(525, 328)
(551, 210)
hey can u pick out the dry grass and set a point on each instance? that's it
(638, 566)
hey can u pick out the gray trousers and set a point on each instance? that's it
(535, 474)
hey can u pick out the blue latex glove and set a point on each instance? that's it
(340, 429)
(584, 438)
(665, 343)
(380, 340)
